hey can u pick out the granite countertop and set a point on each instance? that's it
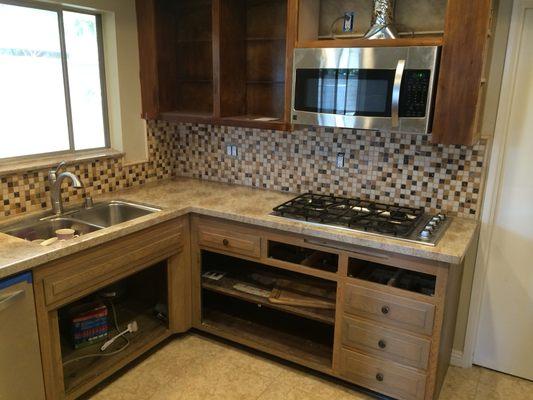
(180, 196)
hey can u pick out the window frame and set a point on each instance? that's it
(58, 8)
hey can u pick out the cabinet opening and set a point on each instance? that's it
(392, 276)
(293, 336)
(184, 44)
(294, 254)
(252, 65)
(139, 302)
(322, 19)
(289, 292)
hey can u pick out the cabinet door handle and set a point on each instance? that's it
(382, 344)
(385, 310)
(379, 377)
(225, 242)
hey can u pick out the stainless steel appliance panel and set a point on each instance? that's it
(21, 375)
(397, 59)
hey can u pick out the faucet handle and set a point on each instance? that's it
(59, 166)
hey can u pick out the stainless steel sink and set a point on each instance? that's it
(45, 229)
(113, 213)
(82, 220)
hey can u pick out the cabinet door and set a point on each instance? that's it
(146, 30)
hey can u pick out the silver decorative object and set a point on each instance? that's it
(382, 25)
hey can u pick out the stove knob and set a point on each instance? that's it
(436, 219)
(432, 223)
(429, 228)
(442, 217)
(425, 234)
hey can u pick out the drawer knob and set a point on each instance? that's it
(379, 377)
(225, 242)
(382, 344)
(385, 310)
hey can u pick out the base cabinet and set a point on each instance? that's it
(379, 320)
(85, 299)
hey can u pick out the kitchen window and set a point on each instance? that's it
(52, 89)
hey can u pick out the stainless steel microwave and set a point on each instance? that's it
(380, 88)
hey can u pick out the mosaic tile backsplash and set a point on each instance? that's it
(31, 191)
(386, 167)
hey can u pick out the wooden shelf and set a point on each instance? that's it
(268, 339)
(186, 116)
(225, 286)
(79, 373)
(265, 82)
(401, 42)
(265, 39)
(250, 121)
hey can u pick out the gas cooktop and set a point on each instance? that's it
(405, 223)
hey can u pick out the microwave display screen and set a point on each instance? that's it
(352, 92)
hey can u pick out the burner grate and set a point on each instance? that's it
(352, 213)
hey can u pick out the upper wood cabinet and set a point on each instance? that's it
(229, 62)
(461, 27)
(216, 61)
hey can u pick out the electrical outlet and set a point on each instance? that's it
(340, 160)
(348, 24)
(231, 150)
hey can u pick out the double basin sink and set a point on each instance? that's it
(81, 220)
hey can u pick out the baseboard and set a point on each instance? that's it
(458, 360)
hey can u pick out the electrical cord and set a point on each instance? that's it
(114, 311)
(332, 26)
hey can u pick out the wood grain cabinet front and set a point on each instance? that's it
(382, 376)
(96, 267)
(227, 239)
(378, 340)
(397, 311)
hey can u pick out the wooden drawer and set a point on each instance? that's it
(401, 312)
(384, 377)
(87, 271)
(377, 340)
(227, 238)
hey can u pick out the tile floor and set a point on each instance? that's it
(195, 367)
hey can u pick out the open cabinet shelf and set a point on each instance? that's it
(293, 338)
(273, 309)
(137, 297)
(220, 62)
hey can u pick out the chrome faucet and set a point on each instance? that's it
(55, 186)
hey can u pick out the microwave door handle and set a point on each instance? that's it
(395, 106)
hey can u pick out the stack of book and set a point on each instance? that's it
(89, 324)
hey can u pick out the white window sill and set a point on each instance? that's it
(39, 162)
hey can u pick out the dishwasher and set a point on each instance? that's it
(20, 358)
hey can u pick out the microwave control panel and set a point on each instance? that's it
(414, 93)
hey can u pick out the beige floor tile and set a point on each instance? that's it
(460, 384)
(497, 386)
(214, 378)
(320, 386)
(194, 367)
